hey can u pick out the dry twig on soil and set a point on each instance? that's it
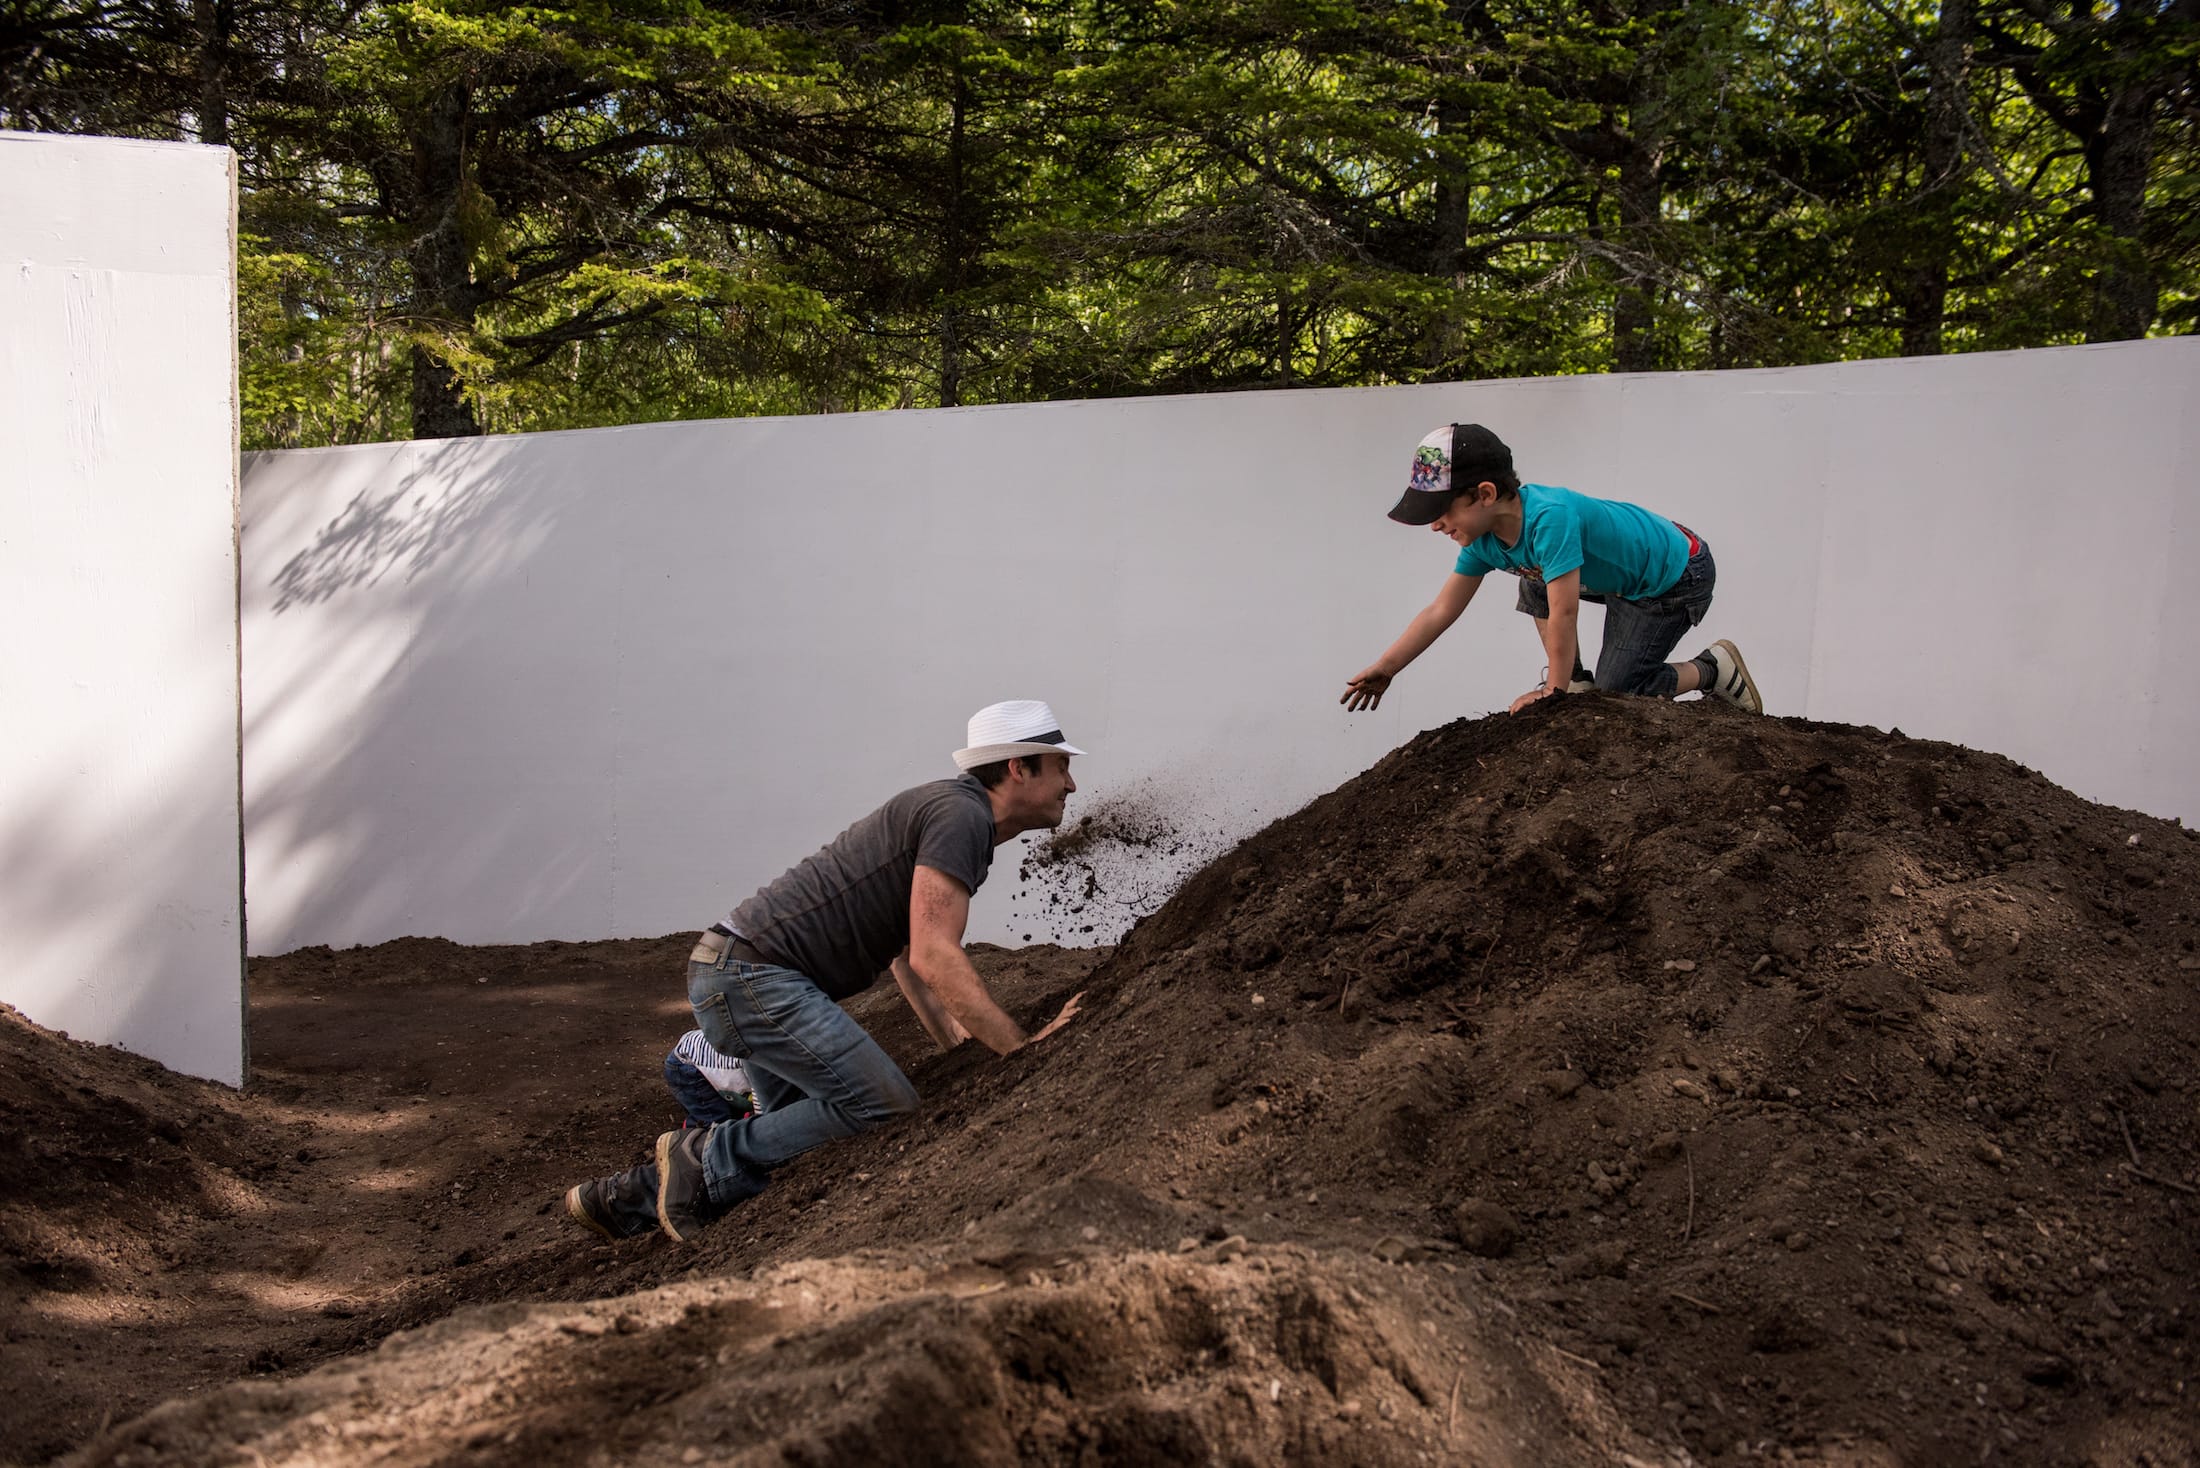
(1689, 1158)
(2138, 1169)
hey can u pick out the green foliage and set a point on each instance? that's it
(467, 215)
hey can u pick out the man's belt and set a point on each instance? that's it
(717, 939)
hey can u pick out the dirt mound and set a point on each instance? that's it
(1644, 1080)
(1219, 1355)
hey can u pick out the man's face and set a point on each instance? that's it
(1469, 516)
(1041, 796)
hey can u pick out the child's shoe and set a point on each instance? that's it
(1733, 683)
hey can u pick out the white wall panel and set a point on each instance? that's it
(120, 888)
(605, 683)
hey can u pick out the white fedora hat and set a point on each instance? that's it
(1004, 730)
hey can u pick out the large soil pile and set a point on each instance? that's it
(1621, 1082)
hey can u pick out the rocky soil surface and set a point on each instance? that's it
(1623, 1082)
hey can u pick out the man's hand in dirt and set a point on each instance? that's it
(1531, 696)
(1364, 690)
(1069, 1012)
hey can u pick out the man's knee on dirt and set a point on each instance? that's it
(887, 1101)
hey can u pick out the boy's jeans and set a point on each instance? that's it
(1640, 635)
(817, 1074)
(696, 1095)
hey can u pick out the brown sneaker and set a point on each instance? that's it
(683, 1204)
(612, 1206)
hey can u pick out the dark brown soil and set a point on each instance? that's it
(1621, 1082)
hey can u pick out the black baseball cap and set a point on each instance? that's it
(1465, 453)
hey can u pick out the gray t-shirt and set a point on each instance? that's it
(840, 916)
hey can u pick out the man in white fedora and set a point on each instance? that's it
(890, 893)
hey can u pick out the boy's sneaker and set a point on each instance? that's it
(595, 1206)
(1733, 683)
(683, 1206)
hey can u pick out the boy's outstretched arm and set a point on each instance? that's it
(1365, 688)
(1561, 634)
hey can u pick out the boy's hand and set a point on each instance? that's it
(1531, 696)
(1365, 689)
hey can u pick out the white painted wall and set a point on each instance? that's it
(604, 683)
(120, 888)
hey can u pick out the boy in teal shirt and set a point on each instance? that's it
(1652, 577)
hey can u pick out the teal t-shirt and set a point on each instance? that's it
(1620, 549)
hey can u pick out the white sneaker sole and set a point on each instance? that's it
(1748, 699)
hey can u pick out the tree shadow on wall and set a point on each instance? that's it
(402, 577)
(435, 508)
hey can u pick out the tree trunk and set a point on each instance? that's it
(216, 22)
(1921, 290)
(2118, 158)
(1450, 220)
(2145, 41)
(1641, 201)
(443, 298)
(954, 247)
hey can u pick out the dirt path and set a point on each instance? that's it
(1620, 1080)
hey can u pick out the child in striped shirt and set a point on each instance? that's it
(710, 1086)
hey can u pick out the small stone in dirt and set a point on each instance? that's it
(1727, 1078)
(1230, 1248)
(1484, 1228)
(1089, 1234)
(1687, 1087)
(1680, 965)
(1563, 1083)
(1897, 891)
(1620, 1336)
(1607, 1260)
(1798, 1240)
(1988, 1153)
(1186, 1244)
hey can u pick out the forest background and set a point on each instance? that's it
(461, 216)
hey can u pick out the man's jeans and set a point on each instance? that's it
(817, 1075)
(1640, 635)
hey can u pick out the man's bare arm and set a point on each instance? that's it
(939, 911)
(945, 1030)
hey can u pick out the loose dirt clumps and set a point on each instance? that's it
(1116, 861)
(1623, 1081)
